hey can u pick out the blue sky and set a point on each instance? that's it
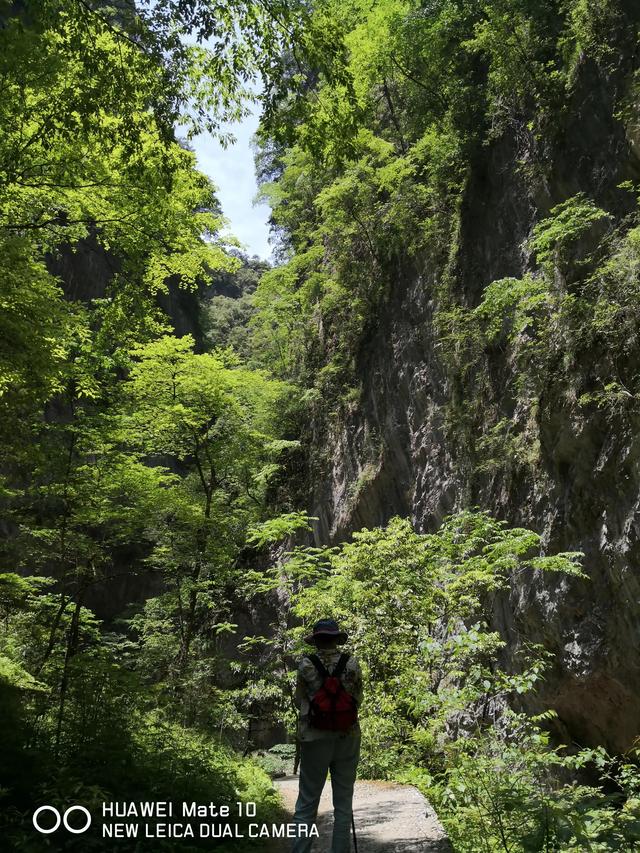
(232, 171)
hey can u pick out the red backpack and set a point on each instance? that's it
(332, 707)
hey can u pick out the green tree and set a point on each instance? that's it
(418, 608)
(216, 423)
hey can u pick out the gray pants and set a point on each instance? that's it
(339, 754)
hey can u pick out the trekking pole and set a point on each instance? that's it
(353, 827)
(296, 760)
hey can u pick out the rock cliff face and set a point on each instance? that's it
(394, 454)
(86, 271)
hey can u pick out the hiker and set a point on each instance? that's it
(328, 694)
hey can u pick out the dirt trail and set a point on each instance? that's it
(389, 818)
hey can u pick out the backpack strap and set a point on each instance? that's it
(322, 670)
(341, 665)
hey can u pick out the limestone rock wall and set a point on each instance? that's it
(392, 454)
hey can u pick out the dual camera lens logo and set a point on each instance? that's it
(39, 818)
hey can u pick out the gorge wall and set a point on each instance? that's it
(398, 451)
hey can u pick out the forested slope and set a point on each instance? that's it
(133, 463)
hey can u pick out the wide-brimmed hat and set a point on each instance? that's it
(326, 629)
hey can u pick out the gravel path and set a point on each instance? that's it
(390, 818)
